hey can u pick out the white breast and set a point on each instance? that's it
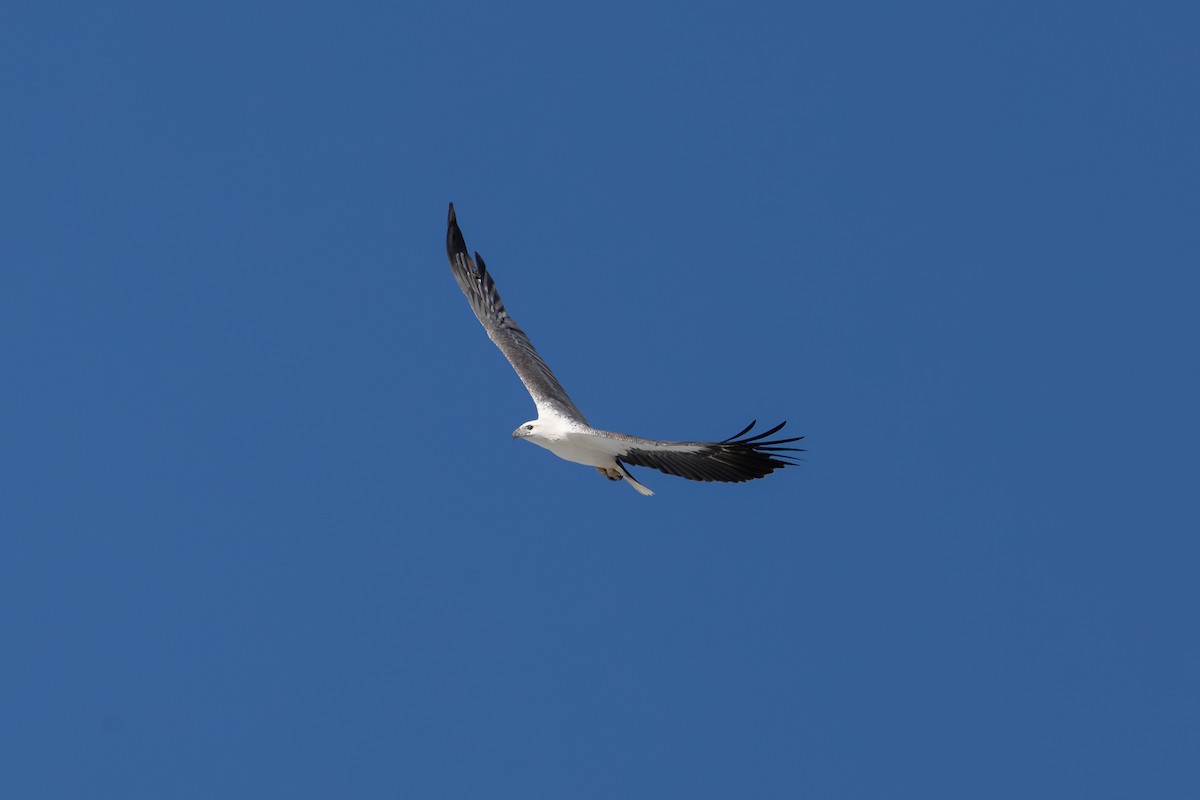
(582, 448)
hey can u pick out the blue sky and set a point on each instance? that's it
(265, 533)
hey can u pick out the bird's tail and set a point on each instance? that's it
(639, 488)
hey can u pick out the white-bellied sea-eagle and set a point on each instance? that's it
(561, 428)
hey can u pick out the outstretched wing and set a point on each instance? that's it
(477, 284)
(731, 460)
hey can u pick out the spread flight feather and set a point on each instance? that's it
(561, 427)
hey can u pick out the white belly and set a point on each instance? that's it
(578, 448)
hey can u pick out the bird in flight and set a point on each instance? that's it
(561, 428)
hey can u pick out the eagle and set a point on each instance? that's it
(562, 429)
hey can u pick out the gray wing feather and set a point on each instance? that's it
(731, 460)
(477, 284)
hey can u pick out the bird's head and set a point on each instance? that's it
(528, 429)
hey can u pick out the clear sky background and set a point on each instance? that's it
(263, 530)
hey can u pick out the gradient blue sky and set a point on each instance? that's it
(265, 534)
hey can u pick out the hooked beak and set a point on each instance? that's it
(518, 433)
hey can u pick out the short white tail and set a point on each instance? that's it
(642, 490)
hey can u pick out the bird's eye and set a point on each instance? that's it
(528, 427)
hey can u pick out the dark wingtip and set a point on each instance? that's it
(742, 432)
(454, 238)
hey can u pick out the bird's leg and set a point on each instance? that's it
(610, 473)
